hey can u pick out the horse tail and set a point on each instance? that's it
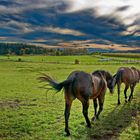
(55, 85)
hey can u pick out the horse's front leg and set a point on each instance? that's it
(118, 85)
(85, 112)
(67, 114)
(95, 109)
(125, 91)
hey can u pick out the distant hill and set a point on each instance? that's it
(77, 48)
(30, 49)
(19, 49)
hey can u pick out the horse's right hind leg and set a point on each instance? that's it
(67, 114)
(118, 94)
(85, 112)
(101, 103)
(132, 90)
(95, 109)
(125, 90)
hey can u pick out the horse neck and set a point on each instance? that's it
(108, 76)
(114, 81)
(98, 81)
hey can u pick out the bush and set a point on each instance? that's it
(77, 61)
(19, 59)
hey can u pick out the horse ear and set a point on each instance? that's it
(114, 75)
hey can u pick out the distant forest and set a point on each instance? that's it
(25, 49)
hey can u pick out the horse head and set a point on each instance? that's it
(110, 85)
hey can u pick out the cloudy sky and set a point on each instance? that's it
(58, 21)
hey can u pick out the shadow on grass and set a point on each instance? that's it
(111, 126)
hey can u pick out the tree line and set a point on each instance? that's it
(26, 49)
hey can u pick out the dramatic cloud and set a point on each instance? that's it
(125, 11)
(64, 31)
(57, 21)
(16, 6)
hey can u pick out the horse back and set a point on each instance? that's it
(81, 87)
(136, 74)
(127, 75)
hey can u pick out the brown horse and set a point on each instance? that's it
(82, 86)
(109, 79)
(128, 76)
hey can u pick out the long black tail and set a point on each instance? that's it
(53, 83)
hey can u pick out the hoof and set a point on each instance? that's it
(125, 100)
(67, 132)
(119, 103)
(89, 125)
(93, 119)
(98, 118)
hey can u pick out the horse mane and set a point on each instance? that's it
(114, 75)
(104, 73)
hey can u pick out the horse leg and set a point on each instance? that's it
(95, 109)
(67, 114)
(125, 90)
(101, 102)
(85, 112)
(132, 90)
(118, 94)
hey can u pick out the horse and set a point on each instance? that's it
(83, 86)
(109, 79)
(128, 76)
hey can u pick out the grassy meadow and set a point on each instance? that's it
(28, 112)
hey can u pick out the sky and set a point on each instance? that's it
(58, 21)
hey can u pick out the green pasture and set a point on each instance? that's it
(28, 112)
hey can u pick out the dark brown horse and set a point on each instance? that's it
(82, 86)
(128, 76)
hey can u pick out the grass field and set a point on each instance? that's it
(28, 112)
